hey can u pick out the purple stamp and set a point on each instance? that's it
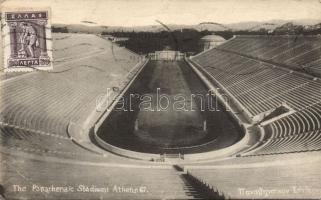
(27, 40)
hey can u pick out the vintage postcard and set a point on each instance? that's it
(162, 99)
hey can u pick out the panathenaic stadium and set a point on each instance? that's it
(63, 135)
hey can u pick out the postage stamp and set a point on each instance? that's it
(27, 42)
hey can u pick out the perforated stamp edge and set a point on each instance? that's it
(6, 47)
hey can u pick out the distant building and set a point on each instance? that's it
(211, 41)
(115, 39)
(118, 39)
(109, 37)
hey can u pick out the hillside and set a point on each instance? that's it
(86, 27)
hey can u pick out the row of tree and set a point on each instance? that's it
(187, 40)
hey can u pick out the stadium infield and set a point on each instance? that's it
(156, 125)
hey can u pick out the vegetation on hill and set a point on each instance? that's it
(186, 40)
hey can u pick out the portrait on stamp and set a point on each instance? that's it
(26, 40)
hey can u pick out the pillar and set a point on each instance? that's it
(42, 38)
(204, 125)
(136, 125)
(13, 39)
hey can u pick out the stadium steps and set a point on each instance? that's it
(297, 132)
(266, 172)
(293, 52)
(247, 68)
(194, 188)
(52, 100)
(20, 139)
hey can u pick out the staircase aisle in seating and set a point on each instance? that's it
(194, 189)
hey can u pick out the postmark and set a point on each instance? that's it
(27, 40)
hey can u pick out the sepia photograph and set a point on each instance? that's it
(161, 99)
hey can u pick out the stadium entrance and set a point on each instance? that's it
(168, 55)
(168, 110)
